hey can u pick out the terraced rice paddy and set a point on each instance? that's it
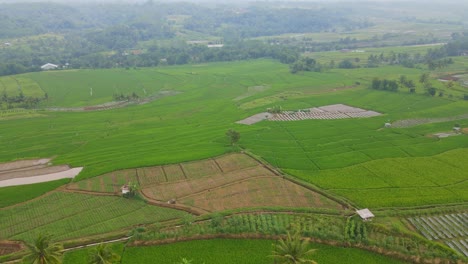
(72, 215)
(148, 176)
(451, 229)
(227, 182)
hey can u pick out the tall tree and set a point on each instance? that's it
(293, 250)
(233, 135)
(44, 251)
(424, 78)
(102, 254)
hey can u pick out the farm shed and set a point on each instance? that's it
(125, 189)
(365, 214)
(49, 66)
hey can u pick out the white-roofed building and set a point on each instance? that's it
(49, 66)
(365, 214)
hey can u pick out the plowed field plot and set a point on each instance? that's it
(171, 190)
(244, 182)
(174, 172)
(151, 175)
(452, 229)
(72, 215)
(234, 162)
(258, 192)
(226, 182)
(9, 247)
(200, 168)
(112, 182)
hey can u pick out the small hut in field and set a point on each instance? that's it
(365, 214)
(125, 190)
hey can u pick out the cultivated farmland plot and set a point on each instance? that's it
(337, 111)
(452, 229)
(71, 215)
(146, 176)
(226, 182)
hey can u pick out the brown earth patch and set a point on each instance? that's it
(8, 247)
(200, 168)
(226, 182)
(258, 192)
(234, 162)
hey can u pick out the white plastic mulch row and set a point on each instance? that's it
(337, 111)
(452, 228)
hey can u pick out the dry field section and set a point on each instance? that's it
(451, 229)
(227, 182)
(23, 172)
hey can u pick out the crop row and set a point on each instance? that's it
(268, 224)
(68, 215)
(442, 226)
(459, 245)
(450, 228)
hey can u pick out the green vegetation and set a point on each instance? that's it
(43, 250)
(70, 215)
(293, 250)
(169, 132)
(18, 194)
(242, 251)
(393, 182)
(103, 254)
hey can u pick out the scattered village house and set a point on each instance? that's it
(49, 66)
(365, 214)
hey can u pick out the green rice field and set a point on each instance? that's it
(71, 215)
(230, 251)
(191, 125)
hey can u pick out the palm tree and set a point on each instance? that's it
(184, 261)
(292, 250)
(103, 255)
(44, 251)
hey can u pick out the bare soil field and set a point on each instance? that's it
(33, 171)
(337, 111)
(234, 162)
(226, 182)
(70, 174)
(200, 168)
(176, 190)
(8, 247)
(241, 181)
(258, 192)
(166, 174)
